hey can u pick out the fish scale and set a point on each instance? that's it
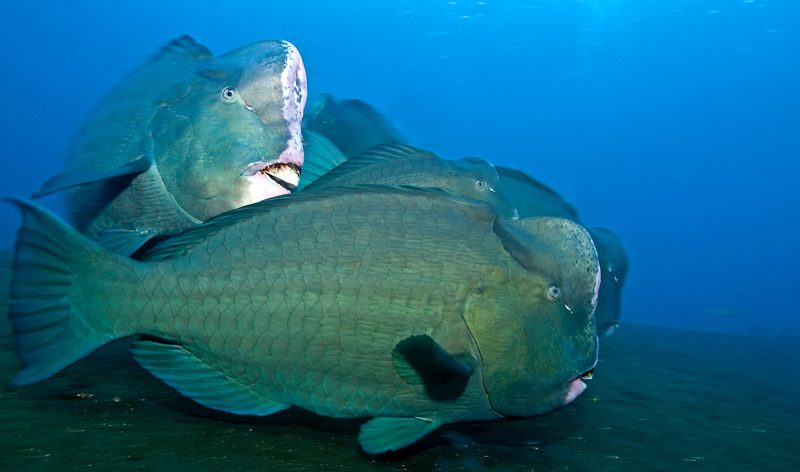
(391, 315)
(303, 339)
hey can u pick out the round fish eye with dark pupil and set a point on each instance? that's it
(553, 293)
(480, 184)
(229, 93)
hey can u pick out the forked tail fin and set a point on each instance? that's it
(50, 332)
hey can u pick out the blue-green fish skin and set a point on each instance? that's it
(313, 299)
(614, 265)
(532, 198)
(399, 164)
(352, 125)
(185, 137)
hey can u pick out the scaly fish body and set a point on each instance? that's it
(396, 164)
(418, 308)
(186, 137)
(534, 199)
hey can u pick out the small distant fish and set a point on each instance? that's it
(186, 137)
(414, 307)
(398, 164)
(533, 198)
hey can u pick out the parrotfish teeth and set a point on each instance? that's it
(285, 175)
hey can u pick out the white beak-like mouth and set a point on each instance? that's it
(287, 175)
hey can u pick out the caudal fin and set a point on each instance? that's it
(51, 334)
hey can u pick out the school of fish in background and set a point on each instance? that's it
(272, 254)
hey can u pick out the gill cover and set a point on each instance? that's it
(532, 344)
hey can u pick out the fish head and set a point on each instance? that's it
(477, 178)
(531, 197)
(614, 267)
(536, 333)
(233, 136)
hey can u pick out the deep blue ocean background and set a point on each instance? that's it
(674, 123)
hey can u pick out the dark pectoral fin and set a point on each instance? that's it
(190, 375)
(124, 174)
(421, 360)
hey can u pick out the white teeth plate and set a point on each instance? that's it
(284, 173)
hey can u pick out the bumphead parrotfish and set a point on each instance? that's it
(186, 137)
(399, 164)
(413, 307)
(352, 125)
(533, 198)
(337, 130)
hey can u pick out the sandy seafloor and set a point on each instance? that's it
(660, 400)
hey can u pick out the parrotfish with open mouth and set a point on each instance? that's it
(186, 137)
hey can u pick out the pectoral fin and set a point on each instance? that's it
(381, 435)
(421, 360)
(190, 375)
(321, 156)
(124, 173)
(124, 241)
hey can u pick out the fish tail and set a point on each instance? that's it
(51, 333)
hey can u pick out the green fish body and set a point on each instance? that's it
(352, 125)
(185, 137)
(399, 164)
(532, 198)
(415, 308)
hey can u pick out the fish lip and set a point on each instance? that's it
(294, 83)
(584, 375)
(276, 171)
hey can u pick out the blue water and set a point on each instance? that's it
(674, 123)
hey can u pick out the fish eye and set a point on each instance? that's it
(480, 184)
(229, 93)
(553, 293)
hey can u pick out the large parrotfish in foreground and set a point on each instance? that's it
(415, 308)
(186, 137)
(532, 198)
(354, 124)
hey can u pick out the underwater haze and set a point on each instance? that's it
(674, 123)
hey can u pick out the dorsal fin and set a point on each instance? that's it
(178, 245)
(374, 156)
(180, 49)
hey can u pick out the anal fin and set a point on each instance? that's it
(385, 434)
(191, 376)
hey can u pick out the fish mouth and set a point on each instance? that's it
(285, 174)
(588, 375)
(576, 386)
